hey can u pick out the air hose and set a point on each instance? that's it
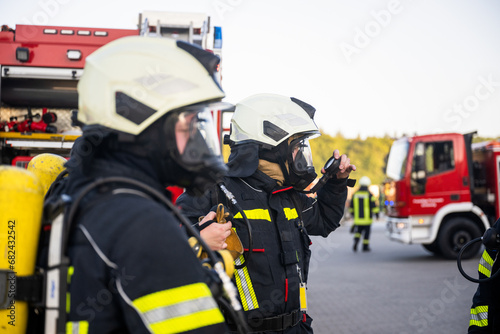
(233, 201)
(491, 240)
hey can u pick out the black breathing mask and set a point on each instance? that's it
(300, 164)
(192, 158)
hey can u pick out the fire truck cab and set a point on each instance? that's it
(444, 191)
(39, 71)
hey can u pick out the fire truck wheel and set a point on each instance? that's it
(433, 248)
(454, 234)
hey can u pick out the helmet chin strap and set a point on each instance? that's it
(284, 169)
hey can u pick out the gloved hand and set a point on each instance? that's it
(214, 234)
(345, 167)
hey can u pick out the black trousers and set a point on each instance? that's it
(362, 230)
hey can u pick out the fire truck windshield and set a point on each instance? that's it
(398, 156)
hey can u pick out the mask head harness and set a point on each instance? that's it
(294, 158)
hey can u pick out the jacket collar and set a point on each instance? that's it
(260, 180)
(116, 165)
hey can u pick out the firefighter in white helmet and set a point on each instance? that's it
(145, 104)
(363, 206)
(269, 166)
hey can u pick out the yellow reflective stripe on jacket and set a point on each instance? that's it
(485, 264)
(290, 213)
(77, 327)
(179, 309)
(262, 214)
(245, 287)
(479, 316)
(71, 270)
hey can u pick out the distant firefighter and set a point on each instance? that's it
(363, 207)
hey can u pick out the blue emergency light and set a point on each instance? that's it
(217, 38)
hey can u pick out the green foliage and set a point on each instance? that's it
(477, 139)
(369, 155)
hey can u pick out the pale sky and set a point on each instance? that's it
(369, 67)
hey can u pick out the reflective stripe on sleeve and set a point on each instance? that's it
(77, 327)
(479, 316)
(485, 264)
(71, 270)
(179, 309)
(262, 214)
(245, 287)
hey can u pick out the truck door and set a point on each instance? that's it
(434, 179)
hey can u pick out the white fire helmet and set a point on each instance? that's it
(281, 126)
(129, 84)
(365, 181)
(270, 119)
(161, 74)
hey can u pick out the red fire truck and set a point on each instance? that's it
(445, 191)
(40, 67)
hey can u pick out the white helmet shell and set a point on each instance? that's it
(365, 181)
(153, 71)
(270, 119)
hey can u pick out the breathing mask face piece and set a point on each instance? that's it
(193, 147)
(300, 163)
(196, 137)
(301, 156)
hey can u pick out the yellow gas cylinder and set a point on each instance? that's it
(46, 167)
(21, 205)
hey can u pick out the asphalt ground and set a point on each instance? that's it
(394, 289)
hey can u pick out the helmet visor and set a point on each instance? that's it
(302, 162)
(196, 135)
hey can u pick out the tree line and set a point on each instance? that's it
(369, 155)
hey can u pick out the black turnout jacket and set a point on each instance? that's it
(485, 310)
(281, 221)
(131, 267)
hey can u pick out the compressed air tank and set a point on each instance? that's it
(21, 205)
(46, 167)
